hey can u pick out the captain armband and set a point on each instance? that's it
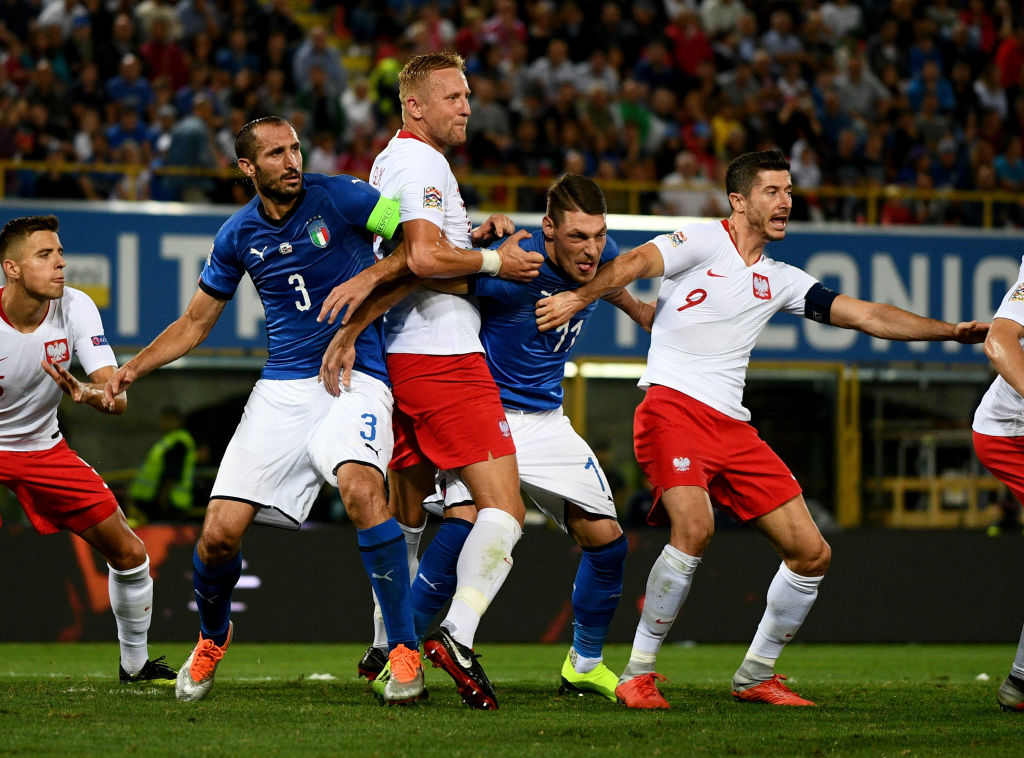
(818, 303)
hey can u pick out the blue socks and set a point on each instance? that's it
(383, 551)
(436, 579)
(212, 586)
(596, 594)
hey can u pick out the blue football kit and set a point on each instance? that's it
(296, 261)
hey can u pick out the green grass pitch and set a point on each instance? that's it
(305, 700)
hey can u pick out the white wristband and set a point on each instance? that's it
(491, 262)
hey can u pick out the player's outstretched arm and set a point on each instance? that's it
(642, 313)
(432, 256)
(892, 323)
(181, 336)
(1002, 346)
(641, 262)
(88, 393)
(350, 294)
(340, 355)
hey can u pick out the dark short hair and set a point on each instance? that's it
(572, 192)
(246, 142)
(743, 170)
(18, 229)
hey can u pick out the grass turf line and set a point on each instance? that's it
(874, 700)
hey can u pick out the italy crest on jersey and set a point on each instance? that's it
(1018, 294)
(318, 232)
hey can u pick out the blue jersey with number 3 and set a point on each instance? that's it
(295, 263)
(528, 366)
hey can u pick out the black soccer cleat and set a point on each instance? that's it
(461, 664)
(372, 663)
(155, 671)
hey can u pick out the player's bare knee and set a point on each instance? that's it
(814, 562)
(127, 554)
(362, 491)
(217, 545)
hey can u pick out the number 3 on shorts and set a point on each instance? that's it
(370, 433)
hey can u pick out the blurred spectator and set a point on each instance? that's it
(274, 97)
(164, 58)
(47, 89)
(136, 184)
(655, 67)
(596, 70)
(62, 14)
(980, 26)
(690, 46)
(192, 145)
(129, 90)
(989, 90)
(688, 192)
(966, 100)
(842, 17)
(278, 55)
(932, 125)
(277, 16)
(236, 55)
(56, 183)
(89, 125)
(780, 41)
(148, 12)
(323, 154)
(321, 101)
(551, 71)
(160, 132)
(805, 169)
(430, 31)
(883, 49)
(489, 131)
(317, 52)
(504, 27)
(195, 16)
(720, 18)
(930, 79)
(860, 91)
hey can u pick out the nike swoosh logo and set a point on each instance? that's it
(717, 276)
(659, 621)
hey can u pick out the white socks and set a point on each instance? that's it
(131, 600)
(790, 597)
(668, 584)
(483, 565)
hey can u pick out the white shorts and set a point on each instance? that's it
(293, 436)
(555, 465)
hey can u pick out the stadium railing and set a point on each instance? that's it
(511, 193)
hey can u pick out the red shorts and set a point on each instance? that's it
(447, 411)
(57, 489)
(680, 441)
(1003, 457)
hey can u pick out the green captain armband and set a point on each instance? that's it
(383, 218)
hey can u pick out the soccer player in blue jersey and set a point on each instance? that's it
(297, 239)
(557, 469)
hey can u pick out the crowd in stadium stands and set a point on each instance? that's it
(858, 94)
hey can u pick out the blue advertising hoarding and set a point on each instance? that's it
(140, 262)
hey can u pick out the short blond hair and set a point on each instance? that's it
(419, 68)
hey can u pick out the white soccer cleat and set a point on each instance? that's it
(195, 678)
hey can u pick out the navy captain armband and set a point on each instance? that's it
(818, 303)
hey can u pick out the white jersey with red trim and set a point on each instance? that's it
(711, 309)
(28, 396)
(427, 322)
(1001, 411)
